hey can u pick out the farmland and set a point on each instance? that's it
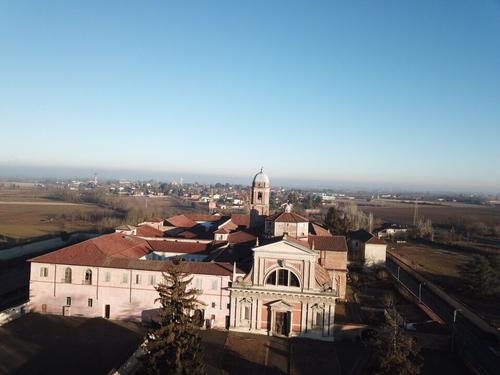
(442, 267)
(440, 214)
(28, 212)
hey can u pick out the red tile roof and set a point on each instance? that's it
(287, 217)
(116, 250)
(203, 217)
(149, 231)
(97, 249)
(240, 237)
(241, 220)
(186, 247)
(181, 221)
(328, 243)
(323, 279)
(318, 230)
(376, 241)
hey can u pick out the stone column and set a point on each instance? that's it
(232, 312)
(253, 315)
(259, 314)
(303, 317)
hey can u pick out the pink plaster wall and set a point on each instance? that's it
(127, 300)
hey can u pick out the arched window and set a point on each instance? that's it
(259, 196)
(283, 277)
(88, 277)
(67, 275)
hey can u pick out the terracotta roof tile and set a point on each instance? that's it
(376, 241)
(328, 243)
(241, 220)
(241, 237)
(180, 221)
(287, 217)
(149, 231)
(186, 247)
(116, 250)
(318, 230)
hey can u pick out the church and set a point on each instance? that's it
(261, 272)
(288, 291)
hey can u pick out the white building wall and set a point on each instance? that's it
(374, 254)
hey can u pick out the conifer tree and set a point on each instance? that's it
(396, 353)
(174, 345)
(480, 275)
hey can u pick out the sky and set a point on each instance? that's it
(372, 93)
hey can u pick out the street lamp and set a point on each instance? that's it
(453, 328)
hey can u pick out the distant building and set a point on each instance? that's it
(366, 248)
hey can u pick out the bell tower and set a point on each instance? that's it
(261, 191)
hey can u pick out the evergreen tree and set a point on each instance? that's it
(396, 353)
(480, 275)
(335, 221)
(174, 346)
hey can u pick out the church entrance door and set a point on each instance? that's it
(281, 323)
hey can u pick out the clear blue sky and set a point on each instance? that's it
(371, 92)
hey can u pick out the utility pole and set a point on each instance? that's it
(415, 212)
(453, 328)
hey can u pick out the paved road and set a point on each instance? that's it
(470, 341)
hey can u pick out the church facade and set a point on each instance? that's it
(287, 292)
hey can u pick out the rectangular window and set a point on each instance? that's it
(44, 272)
(68, 301)
(282, 277)
(125, 278)
(137, 279)
(215, 284)
(228, 305)
(213, 305)
(198, 283)
(89, 302)
(152, 279)
(107, 277)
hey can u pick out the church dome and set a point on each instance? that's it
(261, 179)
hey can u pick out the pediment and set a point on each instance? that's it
(280, 305)
(285, 247)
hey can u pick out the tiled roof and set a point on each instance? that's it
(203, 217)
(97, 249)
(241, 220)
(328, 243)
(287, 217)
(119, 251)
(181, 221)
(360, 234)
(366, 237)
(318, 230)
(240, 237)
(376, 241)
(323, 279)
(186, 247)
(149, 231)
